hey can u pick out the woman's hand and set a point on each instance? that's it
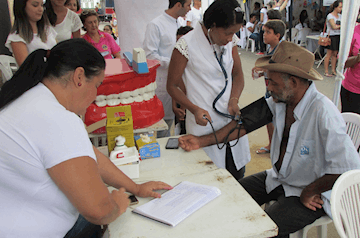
(189, 142)
(200, 115)
(147, 189)
(233, 106)
(179, 112)
(121, 199)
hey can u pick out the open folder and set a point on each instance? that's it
(178, 203)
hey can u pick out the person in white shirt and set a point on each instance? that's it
(310, 147)
(31, 30)
(252, 31)
(50, 172)
(333, 23)
(160, 39)
(194, 15)
(66, 23)
(207, 62)
(302, 24)
(181, 21)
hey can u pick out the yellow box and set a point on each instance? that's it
(119, 122)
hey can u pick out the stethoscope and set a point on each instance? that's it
(236, 117)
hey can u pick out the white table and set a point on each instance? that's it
(233, 214)
(313, 39)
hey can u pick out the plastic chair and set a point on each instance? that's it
(252, 41)
(345, 204)
(294, 33)
(7, 66)
(353, 127)
(301, 36)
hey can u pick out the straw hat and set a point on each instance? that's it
(292, 59)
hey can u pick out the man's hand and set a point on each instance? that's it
(121, 199)
(147, 189)
(189, 142)
(311, 200)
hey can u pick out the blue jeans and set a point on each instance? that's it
(256, 37)
(84, 229)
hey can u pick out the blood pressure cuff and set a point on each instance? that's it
(256, 115)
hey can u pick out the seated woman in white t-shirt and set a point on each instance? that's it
(66, 23)
(301, 25)
(31, 30)
(50, 172)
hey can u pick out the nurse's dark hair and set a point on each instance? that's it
(173, 2)
(223, 13)
(53, 65)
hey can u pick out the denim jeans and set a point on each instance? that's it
(256, 37)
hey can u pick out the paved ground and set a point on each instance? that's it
(254, 89)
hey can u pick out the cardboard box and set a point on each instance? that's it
(147, 149)
(119, 122)
(128, 162)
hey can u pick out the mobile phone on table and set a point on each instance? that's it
(133, 200)
(172, 143)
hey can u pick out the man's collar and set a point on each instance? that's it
(302, 105)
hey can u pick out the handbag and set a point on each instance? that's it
(324, 40)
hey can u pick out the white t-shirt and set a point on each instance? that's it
(181, 22)
(249, 24)
(36, 42)
(37, 133)
(330, 31)
(70, 24)
(159, 42)
(194, 16)
(299, 26)
(264, 11)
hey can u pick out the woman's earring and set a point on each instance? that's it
(79, 84)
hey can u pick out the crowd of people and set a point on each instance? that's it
(54, 183)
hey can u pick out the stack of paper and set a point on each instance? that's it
(178, 203)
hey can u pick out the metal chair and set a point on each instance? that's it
(7, 66)
(345, 204)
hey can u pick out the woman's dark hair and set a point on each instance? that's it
(183, 30)
(334, 5)
(63, 58)
(50, 12)
(274, 14)
(223, 13)
(77, 4)
(303, 17)
(22, 25)
(111, 29)
(88, 13)
(173, 2)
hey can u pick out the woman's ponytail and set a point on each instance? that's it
(30, 73)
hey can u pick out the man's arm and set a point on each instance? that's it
(311, 195)
(151, 45)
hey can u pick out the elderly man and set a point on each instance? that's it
(160, 39)
(310, 147)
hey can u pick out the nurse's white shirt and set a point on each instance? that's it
(204, 80)
(160, 39)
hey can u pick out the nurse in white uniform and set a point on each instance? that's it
(204, 59)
